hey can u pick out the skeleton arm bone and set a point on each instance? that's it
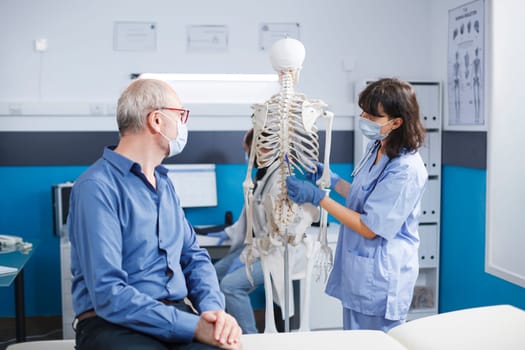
(248, 204)
(248, 185)
(325, 254)
(324, 181)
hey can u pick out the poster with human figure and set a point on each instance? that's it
(466, 66)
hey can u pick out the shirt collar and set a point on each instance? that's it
(125, 165)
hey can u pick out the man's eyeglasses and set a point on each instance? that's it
(184, 113)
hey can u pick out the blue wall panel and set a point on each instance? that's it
(463, 280)
(26, 210)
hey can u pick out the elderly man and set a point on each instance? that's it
(135, 259)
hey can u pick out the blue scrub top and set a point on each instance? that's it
(377, 276)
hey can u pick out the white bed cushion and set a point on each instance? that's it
(319, 340)
(491, 327)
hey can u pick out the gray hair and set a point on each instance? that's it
(140, 98)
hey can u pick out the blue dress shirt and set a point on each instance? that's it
(376, 276)
(132, 246)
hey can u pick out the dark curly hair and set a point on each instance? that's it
(398, 100)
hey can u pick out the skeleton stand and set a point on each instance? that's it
(286, 284)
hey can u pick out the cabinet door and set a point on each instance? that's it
(428, 246)
(430, 203)
(431, 153)
(429, 109)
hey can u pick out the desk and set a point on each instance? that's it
(17, 258)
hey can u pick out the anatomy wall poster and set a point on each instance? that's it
(466, 63)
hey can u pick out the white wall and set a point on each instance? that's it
(505, 168)
(382, 37)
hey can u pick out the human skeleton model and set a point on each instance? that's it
(285, 135)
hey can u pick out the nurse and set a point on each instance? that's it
(376, 259)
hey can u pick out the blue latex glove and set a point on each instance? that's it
(236, 264)
(221, 235)
(303, 191)
(313, 177)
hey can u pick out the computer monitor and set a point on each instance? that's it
(61, 193)
(196, 184)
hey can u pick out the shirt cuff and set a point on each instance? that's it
(210, 307)
(185, 326)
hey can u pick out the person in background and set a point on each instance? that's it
(134, 257)
(376, 260)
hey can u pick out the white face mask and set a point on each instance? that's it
(177, 145)
(371, 129)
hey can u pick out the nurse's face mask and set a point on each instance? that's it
(372, 130)
(177, 145)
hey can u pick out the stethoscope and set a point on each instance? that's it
(365, 158)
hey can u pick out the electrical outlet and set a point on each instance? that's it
(41, 45)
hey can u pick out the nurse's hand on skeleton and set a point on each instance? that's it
(314, 177)
(221, 235)
(303, 191)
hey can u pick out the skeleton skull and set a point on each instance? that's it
(288, 54)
